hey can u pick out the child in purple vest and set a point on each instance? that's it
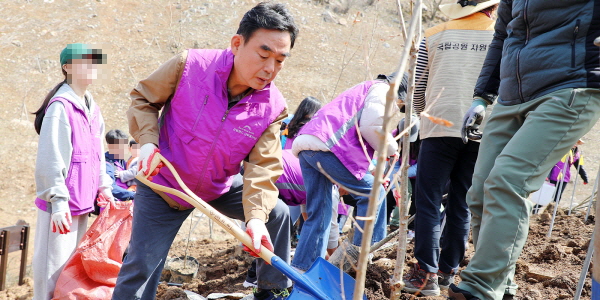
(69, 170)
(220, 108)
(330, 141)
(116, 140)
(562, 170)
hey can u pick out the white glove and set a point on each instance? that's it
(258, 232)
(104, 195)
(146, 152)
(61, 216)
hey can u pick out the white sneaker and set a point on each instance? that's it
(247, 284)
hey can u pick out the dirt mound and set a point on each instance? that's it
(223, 267)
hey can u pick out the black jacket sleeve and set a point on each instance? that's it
(489, 78)
(582, 171)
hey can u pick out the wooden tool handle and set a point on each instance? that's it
(194, 200)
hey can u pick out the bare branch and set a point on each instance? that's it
(413, 32)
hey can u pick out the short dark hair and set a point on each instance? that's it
(132, 142)
(115, 135)
(268, 15)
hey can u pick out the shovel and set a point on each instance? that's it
(322, 281)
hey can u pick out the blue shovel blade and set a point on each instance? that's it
(328, 280)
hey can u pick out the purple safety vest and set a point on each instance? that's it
(336, 125)
(83, 178)
(290, 183)
(203, 139)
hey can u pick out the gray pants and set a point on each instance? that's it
(520, 145)
(155, 226)
(51, 251)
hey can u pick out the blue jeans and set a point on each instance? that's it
(155, 225)
(314, 236)
(295, 213)
(440, 159)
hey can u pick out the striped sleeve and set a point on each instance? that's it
(421, 76)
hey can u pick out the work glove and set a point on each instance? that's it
(104, 196)
(260, 236)
(61, 216)
(472, 120)
(147, 152)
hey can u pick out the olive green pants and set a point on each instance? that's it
(520, 145)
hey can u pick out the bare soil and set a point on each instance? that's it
(548, 268)
(336, 48)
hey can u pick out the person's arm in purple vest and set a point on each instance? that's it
(371, 119)
(54, 156)
(262, 168)
(150, 95)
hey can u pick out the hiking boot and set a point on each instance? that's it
(444, 280)
(419, 282)
(274, 294)
(456, 293)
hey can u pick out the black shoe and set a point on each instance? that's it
(508, 297)
(456, 293)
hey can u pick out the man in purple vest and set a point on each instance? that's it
(220, 109)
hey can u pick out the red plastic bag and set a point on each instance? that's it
(91, 272)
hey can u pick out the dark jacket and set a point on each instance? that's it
(119, 189)
(539, 47)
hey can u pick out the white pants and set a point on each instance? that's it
(334, 233)
(51, 251)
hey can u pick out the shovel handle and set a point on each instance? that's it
(198, 203)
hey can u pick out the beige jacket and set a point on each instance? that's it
(263, 167)
(455, 53)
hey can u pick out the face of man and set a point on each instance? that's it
(258, 60)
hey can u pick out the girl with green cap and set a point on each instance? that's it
(70, 168)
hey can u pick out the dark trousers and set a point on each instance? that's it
(442, 159)
(155, 226)
(560, 191)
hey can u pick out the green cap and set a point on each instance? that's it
(81, 51)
